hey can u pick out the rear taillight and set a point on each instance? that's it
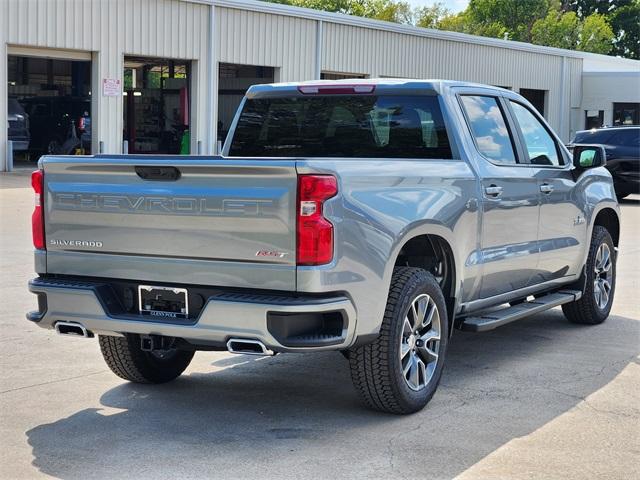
(315, 232)
(37, 218)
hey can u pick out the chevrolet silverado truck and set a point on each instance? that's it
(369, 217)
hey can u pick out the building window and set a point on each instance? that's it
(626, 113)
(593, 119)
(536, 98)
(340, 76)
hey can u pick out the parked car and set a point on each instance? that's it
(622, 145)
(371, 217)
(18, 126)
(54, 123)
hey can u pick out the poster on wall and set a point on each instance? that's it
(111, 87)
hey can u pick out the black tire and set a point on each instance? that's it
(376, 368)
(586, 311)
(127, 360)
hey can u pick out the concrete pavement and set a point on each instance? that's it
(540, 398)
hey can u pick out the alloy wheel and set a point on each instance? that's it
(603, 276)
(419, 342)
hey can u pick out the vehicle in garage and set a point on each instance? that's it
(54, 123)
(622, 146)
(371, 217)
(18, 126)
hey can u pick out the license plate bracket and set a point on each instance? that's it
(164, 302)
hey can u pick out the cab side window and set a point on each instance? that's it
(538, 142)
(489, 128)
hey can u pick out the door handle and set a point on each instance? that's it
(493, 191)
(546, 188)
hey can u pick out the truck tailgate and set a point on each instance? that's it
(228, 220)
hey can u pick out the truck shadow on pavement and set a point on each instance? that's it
(295, 416)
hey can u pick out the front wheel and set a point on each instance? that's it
(600, 271)
(400, 371)
(125, 357)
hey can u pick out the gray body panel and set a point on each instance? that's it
(505, 248)
(205, 228)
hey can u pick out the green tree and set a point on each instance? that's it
(625, 22)
(566, 30)
(596, 35)
(431, 16)
(500, 17)
(456, 22)
(622, 15)
(557, 30)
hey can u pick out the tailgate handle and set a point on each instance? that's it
(163, 174)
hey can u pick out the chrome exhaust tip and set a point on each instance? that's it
(248, 347)
(72, 328)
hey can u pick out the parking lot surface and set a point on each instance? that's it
(539, 398)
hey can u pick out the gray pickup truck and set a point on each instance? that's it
(369, 217)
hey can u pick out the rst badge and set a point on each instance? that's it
(271, 253)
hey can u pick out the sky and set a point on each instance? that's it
(453, 5)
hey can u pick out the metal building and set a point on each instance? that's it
(165, 76)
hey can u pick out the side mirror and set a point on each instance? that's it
(589, 156)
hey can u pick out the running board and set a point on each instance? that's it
(491, 320)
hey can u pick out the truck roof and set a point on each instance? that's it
(435, 85)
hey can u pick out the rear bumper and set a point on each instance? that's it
(283, 323)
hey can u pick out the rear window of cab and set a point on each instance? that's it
(373, 126)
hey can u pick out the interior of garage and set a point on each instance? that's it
(156, 105)
(233, 82)
(49, 106)
(537, 98)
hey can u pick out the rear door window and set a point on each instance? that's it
(626, 138)
(373, 126)
(489, 128)
(591, 136)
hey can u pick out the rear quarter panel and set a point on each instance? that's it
(381, 205)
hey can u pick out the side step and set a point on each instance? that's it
(490, 320)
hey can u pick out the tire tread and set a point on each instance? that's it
(584, 311)
(125, 358)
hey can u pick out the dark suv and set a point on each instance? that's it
(622, 145)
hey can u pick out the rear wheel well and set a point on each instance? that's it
(434, 254)
(608, 219)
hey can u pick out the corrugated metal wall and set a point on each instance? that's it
(375, 53)
(253, 38)
(111, 29)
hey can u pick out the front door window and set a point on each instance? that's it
(538, 142)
